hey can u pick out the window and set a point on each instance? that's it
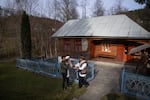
(66, 45)
(84, 44)
(106, 47)
(78, 45)
(97, 42)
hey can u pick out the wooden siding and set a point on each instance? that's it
(99, 51)
(120, 52)
(102, 48)
(91, 48)
(70, 47)
(129, 57)
(73, 47)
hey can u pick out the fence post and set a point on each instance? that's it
(122, 80)
(25, 60)
(39, 66)
(40, 70)
(92, 71)
(57, 68)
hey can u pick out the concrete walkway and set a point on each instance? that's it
(107, 80)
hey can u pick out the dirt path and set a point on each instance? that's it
(106, 80)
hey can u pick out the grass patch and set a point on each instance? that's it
(18, 84)
(117, 96)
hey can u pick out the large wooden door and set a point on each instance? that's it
(129, 56)
(92, 48)
(120, 53)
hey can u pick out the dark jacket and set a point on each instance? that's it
(63, 67)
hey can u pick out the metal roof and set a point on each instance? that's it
(115, 26)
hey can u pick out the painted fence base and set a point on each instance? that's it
(50, 67)
(135, 85)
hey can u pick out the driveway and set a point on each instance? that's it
(107, 80)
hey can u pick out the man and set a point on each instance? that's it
(63, 70)
(82, 69)
(69, 65)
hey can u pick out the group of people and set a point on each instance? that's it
(81, 68)
(143, 66)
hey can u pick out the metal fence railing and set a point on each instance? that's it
(51, 67)
(135, 85)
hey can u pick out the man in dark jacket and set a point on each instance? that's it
(63, 70)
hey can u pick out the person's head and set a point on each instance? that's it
(142, 51)
(67, 58)
(82, 58)
(63, 58)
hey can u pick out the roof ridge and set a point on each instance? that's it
(114, 26)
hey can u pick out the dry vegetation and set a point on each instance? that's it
(142, 17)
(41, 30)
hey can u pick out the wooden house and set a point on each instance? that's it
(105, 36)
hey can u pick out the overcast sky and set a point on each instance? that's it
(129, 4)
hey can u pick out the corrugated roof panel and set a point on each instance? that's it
(122, 27)
(106, 26)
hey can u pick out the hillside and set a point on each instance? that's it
(41, 31)
(141, 16)
(10, 26)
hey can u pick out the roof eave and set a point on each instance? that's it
(104, 37)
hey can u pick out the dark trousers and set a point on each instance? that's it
(82, 81)
(65, 81)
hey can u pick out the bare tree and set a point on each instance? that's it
(42, 11)
(10, 4)
(27, 5)
(69, 10)
(98, 8)
(49, 9)
(73, 10)
(65, 9)
(84, 8)
(117, 8)
(1, 11)
(56, 10)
